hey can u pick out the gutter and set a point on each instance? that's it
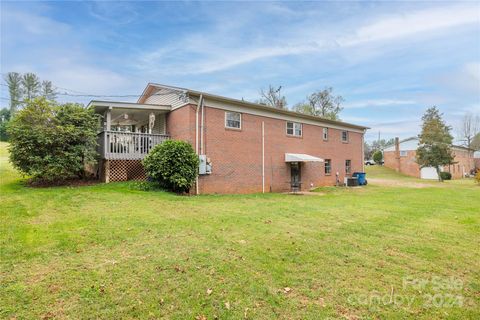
(196, 139)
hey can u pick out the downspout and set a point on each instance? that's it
(263, 157)
(202, 106)
(363, 150)
(196, 139)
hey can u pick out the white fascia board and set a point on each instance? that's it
(102, 105)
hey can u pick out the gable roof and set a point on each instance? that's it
(151, 86)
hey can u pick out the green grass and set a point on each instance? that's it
(113, 252)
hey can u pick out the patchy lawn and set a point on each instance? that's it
(112, 252)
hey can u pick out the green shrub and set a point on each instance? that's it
(50, 142)
(445, 175)
(377, 156)
(173, 164)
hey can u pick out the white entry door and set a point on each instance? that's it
(429, 173)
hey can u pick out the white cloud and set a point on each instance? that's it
(414, 23)
(116, 13)
(214, 51)
(377, 103)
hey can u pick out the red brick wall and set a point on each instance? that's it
(181, 124)
(464, 163)
(409, 167)
(236, 155)
(407, 163)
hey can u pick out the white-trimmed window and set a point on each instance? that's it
(403, 153)
(233, 120)
(344, 136)
(325, 134)
(294, 129)
(328, 166)
(348, 166)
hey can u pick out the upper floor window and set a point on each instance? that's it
(294, 129)
(328, 166)
(344, 136)
(233, 120)
(325, 134)
(348, 166)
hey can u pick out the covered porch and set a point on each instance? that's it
(129, 130)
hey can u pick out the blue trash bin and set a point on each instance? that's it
(362, 178)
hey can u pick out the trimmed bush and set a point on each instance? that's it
(52, 143)
(445, 175)
(378, 157)
(173, 164)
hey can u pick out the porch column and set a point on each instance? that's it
(108, 118)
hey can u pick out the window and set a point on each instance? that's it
(403, 153)
(233, 120)
(325, 134)
(348, 166)
(294, 129)
(344, 136)
(328, 166)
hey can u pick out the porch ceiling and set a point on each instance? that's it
(101, 106)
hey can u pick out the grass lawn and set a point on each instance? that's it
(113, 252)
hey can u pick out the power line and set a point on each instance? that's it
(103, 95)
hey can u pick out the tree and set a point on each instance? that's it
(469, 128)
(31, 85)
(173, 164)
(52, 143)
(367, 151)
(322, 103)
(378, 156)
(4, 118)
(14, 83)
(47, 90)
(382, 144)
(434, 148)
(475, 145)
(273, 97)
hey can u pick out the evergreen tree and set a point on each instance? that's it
(435, 143)
(31, 85)
(14, 83)
(47, 90)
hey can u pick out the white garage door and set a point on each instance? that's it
(429, 173)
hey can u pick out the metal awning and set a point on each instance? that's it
(300, 157)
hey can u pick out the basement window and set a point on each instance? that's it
(294, 129)
(233, 120)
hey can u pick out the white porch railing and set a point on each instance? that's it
(127, 145)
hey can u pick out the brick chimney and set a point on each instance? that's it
(397, 154)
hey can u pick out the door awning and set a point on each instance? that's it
(300, 157)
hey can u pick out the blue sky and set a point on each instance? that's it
(389, 60)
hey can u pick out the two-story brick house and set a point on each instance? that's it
(401, 156)
(244, 147)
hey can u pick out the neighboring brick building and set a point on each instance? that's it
(401, 157)
(249, 147)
